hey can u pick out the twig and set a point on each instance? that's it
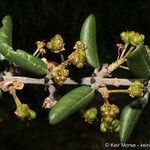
(85, 81)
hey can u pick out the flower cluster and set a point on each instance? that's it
(78, 57)
(132, 37)
(109, 122)
(56, 44)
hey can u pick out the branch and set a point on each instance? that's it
(85, 81)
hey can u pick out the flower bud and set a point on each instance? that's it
(32, 114)
(125, 37)
(116, 125)
(114, 109)
(108, 118)
(104, 127)
(148, 50)
(105, 108)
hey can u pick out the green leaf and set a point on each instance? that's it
(6, 34)
(129, 116)
(24, 60)
(28, 62)
(139, 62)
(20, 58)
(70, 103)
(88, 37)
(6, 31)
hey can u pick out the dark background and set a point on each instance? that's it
(42, 19)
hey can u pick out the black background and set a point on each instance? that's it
(42, 19)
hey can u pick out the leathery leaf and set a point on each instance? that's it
(88, 37)
(129, 116)
(6, 31)
(21, 58)
(139, 62)
(24, 60)
(70, 103)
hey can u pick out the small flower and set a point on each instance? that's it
(80, 46)
(56, 44)
(59, 74)
(135, 89)
(78, 57)
(137, 39)
(40, 44)
(90, 115)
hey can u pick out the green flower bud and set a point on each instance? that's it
(108, 118)
(32, 114)
(136, 39)
(24, 113)
(104, 127)
(105, 108)
(56, 44)
(116, 125)
(60, 74)
(90, 115)
(114, 109)
(135, 89)
(125, 37)
(109, 109)
(148, 50)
